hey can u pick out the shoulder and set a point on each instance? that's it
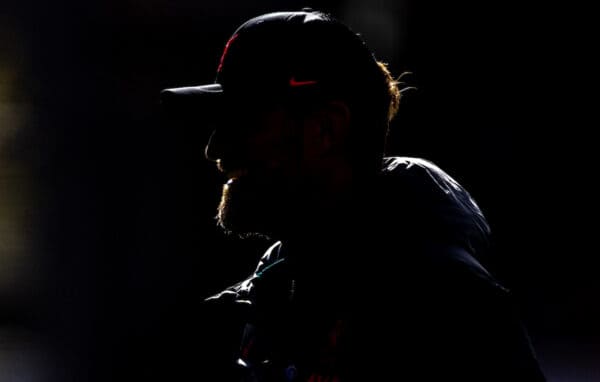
(420, 174)
(391, 163)
(400, 165)
(432, 204)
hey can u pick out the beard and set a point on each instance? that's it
(255, 206)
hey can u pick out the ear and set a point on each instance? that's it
(334, 126)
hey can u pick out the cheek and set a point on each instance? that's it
(279, 149)
(311, 151)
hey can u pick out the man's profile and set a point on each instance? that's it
(373, 272)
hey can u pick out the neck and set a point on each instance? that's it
(329, 215)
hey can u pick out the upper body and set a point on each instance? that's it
(374, 274)
(403, 296)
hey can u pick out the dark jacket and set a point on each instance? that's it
(401, 296)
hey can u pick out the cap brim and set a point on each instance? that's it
(191, 91)
(204, 99)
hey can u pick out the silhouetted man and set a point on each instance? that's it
(373, 273)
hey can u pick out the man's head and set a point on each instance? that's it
(304, 110)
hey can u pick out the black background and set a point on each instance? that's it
(116, 203)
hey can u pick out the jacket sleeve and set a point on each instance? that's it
(479, 335)
(446, 321)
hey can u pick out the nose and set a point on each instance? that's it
(226, 148)
(221, 144)
(211, 151)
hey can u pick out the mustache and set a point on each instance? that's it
(231, 166)
(231, 171)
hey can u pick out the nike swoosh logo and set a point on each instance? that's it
(295, 83)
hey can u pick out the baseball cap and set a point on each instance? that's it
(282, 54)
